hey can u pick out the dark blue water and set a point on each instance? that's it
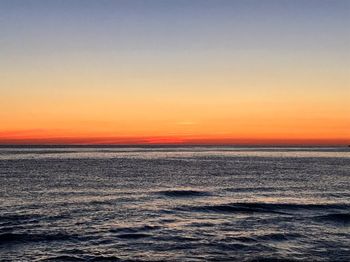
(174, 204)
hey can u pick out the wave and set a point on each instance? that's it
(133, 232)
(277, 237)
(20, 219)
(279, 208)
(106, 258)
(7, 238)
(251, 189)
(63, 258)
(133, 235)
(268, 237)
(337, 218)
(183, 193)
(133, 229)
(13, 218)
(272, 259)
(81, 258)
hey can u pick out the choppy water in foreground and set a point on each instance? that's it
(174, 204)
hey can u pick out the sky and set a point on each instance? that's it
(184, 71)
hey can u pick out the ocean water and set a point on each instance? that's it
(174, 204)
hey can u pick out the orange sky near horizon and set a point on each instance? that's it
(65, 115)
(77, 109)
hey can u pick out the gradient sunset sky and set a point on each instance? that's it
(181, 71)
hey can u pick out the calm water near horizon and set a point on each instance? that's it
(175, 203)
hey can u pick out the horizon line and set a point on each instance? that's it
(169, 140)
(261, 144)
(168, 145)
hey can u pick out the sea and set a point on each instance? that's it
(172, 203)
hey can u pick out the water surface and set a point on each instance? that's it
(174, 203)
